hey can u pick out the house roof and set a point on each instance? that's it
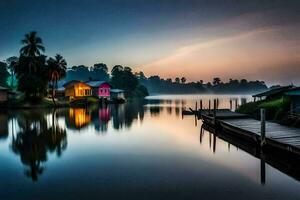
(274, 91)
(116, 90)
(293, 92)
(96, 83)
(60, 89)
(72, 82)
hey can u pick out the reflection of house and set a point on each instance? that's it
(117, 94)
(75, 89)
(104, 114)
(3, 94)
(79, 117)
(100, 89)
(294, 95)
(273, 94)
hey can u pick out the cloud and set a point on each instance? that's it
(270, 53)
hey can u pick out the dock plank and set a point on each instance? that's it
(277, 132)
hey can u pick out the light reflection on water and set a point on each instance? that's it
(143, 150)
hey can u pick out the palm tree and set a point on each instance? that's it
(56, 70)
(33, 45)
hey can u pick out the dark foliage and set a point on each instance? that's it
(155, 84)
(3, 74)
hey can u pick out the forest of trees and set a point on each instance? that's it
(155, 84)
(35, 72)
(158, 85)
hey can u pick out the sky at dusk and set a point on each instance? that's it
(198, 39)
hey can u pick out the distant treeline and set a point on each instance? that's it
(156, 84)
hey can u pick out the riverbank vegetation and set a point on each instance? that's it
(156, 84)
(35, 75)
(276, 109)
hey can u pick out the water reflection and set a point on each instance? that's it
(288, 164)
(35, 138)
(155, 133)
(3, 125)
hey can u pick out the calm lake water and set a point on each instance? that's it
(139, 150)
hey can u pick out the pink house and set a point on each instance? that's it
(100, 89)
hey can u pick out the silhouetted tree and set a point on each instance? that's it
(100, 72)
(177, 80)
(31, 68)
(3, 74)
(56, 68)
(183, 80)
(216, 81)
(33, 45)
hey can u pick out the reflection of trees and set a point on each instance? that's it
(125, 114)
(35, 139)
(3, 125)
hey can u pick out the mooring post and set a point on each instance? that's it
(196, 107)
(230, 101)
(263, 126)
(236, 103)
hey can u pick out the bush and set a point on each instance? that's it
(275, 109)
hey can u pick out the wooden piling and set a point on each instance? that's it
(263, 126)
(236, 103)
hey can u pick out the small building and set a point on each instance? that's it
(77, 89)
(273, 93)
(294, 95)
(3, 94)
(117, 94)
(100, 89)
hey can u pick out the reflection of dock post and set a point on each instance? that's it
(209, 107)
(262, 169)
(209, 140)
(214, 113)
(201, 134)
(200, 106)
(214, 143)
(263, 126)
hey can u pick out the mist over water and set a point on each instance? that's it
(139, 150)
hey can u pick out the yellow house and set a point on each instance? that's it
(75, 89)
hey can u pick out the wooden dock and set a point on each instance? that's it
(289, 165)
(276, 135)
